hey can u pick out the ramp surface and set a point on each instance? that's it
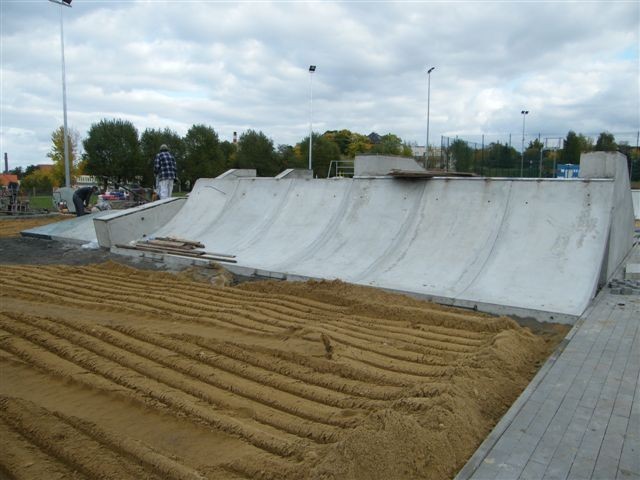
(525, 246)
(75, 230)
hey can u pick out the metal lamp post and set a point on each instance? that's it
(524, 114)
(426, 148)
(67, 173)
(312, 68)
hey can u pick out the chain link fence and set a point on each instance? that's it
(504, 155)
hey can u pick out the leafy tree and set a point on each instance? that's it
(17, 171)
(359, 144)
(407, 151)
(38, 180)
(229, 151)
(286, 157)
(202, 155)
(571, 149)
(574, 145)
(389, 144)
(255, 150)
(535, 145)
(112, 150)
(342, 138)
(606, 143)
(57, 155)
(462, 155)
(150, 142)
(324, 150)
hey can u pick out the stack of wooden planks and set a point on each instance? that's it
(178, 246)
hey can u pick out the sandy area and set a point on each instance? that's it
(110, 371)
(12, 226)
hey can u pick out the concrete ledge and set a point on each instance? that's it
(125, 226)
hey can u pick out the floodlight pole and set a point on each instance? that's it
(67, 170)
(524, 114)
(426, 148)
(312, 68)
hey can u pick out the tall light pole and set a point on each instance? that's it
(426, 148)
(67, 173)
(312, 68)
(524, 115)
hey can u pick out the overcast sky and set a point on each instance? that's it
(244, 65)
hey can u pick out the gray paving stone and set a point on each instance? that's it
(581, 468)
(582, 421)
(606, 468)
(533, 471)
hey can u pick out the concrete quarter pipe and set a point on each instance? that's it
(529, 247)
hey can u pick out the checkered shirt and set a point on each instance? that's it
(164, 166)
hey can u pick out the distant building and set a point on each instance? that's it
(7, 178)
(85, 180)
(374, 138)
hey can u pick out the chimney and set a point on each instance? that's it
(235, 137)
(6, 163)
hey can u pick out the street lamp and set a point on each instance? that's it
(426, 148)
(524, 114)
(312, 68)
(67, 174)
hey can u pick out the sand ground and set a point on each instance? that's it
(109, 370)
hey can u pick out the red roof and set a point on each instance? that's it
(6, 178)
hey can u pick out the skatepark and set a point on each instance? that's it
(547, 251)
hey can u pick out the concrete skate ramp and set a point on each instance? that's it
(528, 247)
(75, 230)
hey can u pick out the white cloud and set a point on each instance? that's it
(240, 65)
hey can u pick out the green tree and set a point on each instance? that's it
(202, 155)
(150, 142)
(342, 138)
(112, 150)
(255, 150)
(571, 149)
(229, 151)
(17, 171)
(286, 157)
(38, 180)
(462, 155)
(324, 151)
(390, 144)
(574, 146)
(57, 155)
(606, 143)
(359, 144)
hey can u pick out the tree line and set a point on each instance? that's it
(498, 159)
(114, 150)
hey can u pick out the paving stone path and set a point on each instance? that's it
(580, 417)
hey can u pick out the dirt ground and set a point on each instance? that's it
(109, 370)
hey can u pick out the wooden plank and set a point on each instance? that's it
(182, 240)
(183, 253)
(166, 243)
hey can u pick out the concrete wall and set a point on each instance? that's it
(124, 226)
(613, 165)
(378, 165)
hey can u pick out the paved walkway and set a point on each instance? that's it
(580, 417)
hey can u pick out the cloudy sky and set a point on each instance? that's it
(244, 65)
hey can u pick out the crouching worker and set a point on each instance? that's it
(81, 198)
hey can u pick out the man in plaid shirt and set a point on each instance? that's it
(164, 168)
